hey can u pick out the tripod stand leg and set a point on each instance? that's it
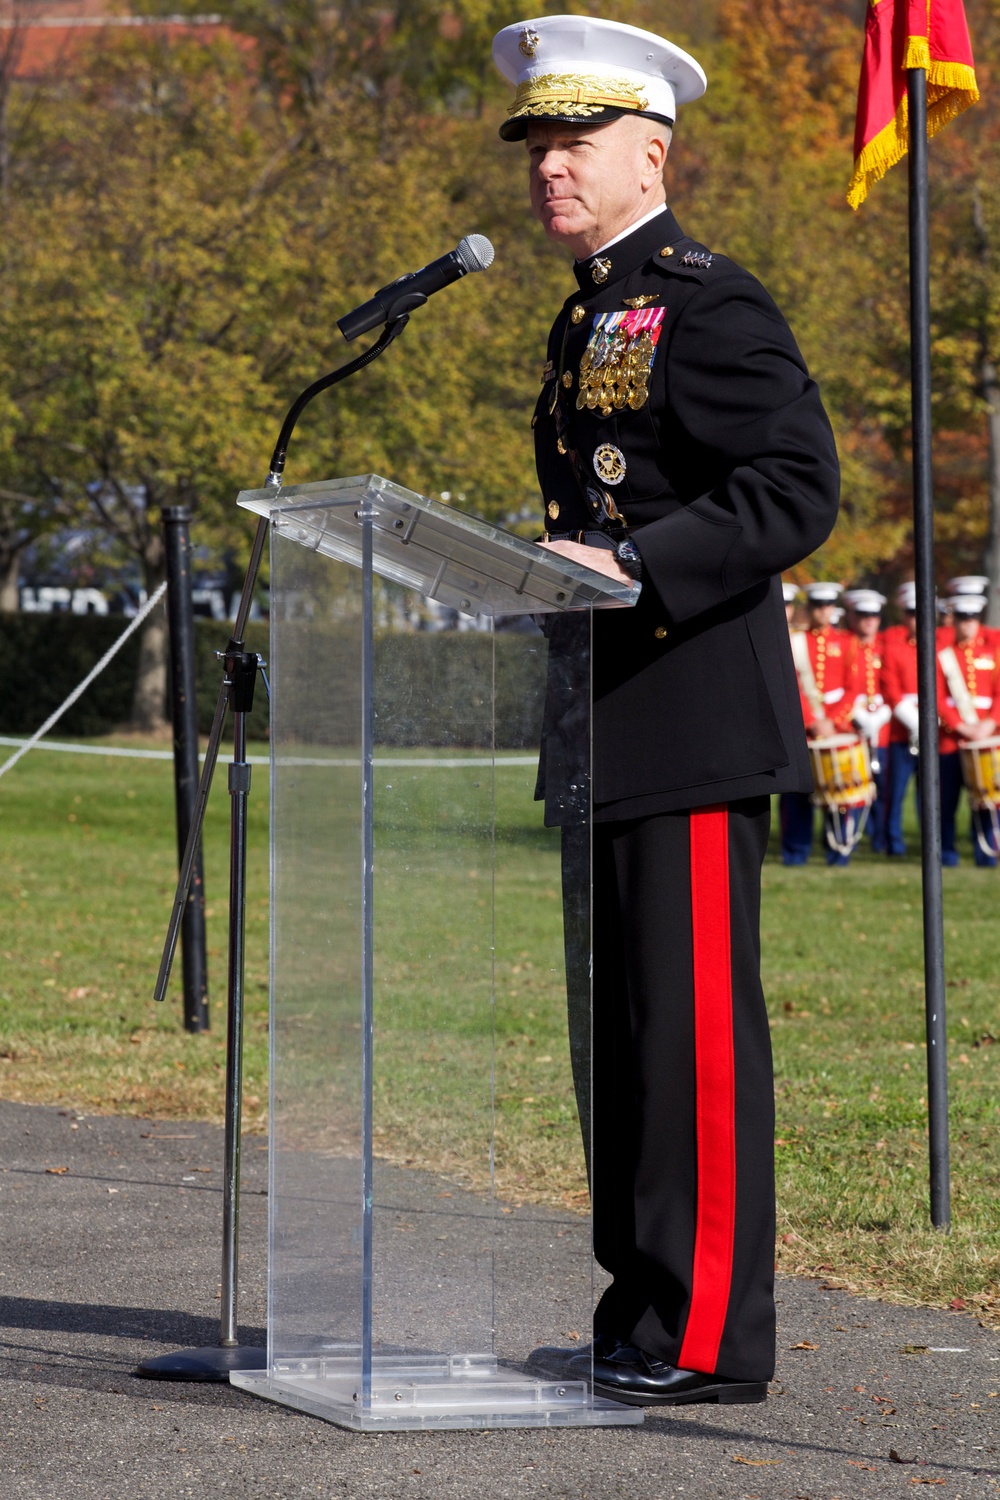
(239, 790)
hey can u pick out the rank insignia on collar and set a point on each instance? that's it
(609, 463)
(639, 301)
(600, 270)
(699, 258)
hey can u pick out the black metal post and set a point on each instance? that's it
(184, 714)
(923, 549)
(214, 1362)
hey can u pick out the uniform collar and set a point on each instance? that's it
(623, 256)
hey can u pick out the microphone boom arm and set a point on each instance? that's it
(400, 311)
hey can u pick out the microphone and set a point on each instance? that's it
(474, 253)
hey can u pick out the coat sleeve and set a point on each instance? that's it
(739, 388)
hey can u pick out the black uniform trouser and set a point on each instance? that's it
(682, 1104)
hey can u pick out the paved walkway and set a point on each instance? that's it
(116, 1258)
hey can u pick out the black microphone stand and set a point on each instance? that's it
(214, 1361)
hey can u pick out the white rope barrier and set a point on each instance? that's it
(384, 762)
(95, 671)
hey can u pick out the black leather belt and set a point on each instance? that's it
(584, 538)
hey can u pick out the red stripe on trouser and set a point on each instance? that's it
(715, 1090)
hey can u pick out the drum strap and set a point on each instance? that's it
(957, 686)
(807, 679)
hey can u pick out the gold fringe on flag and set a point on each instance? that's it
(951, 89)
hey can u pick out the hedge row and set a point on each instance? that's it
(432, 688)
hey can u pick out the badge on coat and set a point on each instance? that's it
(617, 363)
(609, 463)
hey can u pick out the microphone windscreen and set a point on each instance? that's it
(475, 252)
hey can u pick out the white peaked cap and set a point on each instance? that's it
(824, 593)
(790, 592)
(585, 71)
(865, 601)
(973, 584)
(968, 604)
(906, 596)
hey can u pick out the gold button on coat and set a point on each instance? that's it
(660, 632)
(552, 510)
(667, 250)
(567, 379)
(578, 314)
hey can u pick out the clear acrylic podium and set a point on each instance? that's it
(427, 1167)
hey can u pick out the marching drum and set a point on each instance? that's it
(842, 777)
(980, 761)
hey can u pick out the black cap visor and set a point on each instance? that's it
(516, 128)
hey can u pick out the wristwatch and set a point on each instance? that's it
(628, 557)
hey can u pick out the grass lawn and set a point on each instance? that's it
(86, 885)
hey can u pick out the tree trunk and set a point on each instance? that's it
(989, 385)
(149, 697)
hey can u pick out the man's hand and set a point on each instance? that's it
(822, 729)
(598, 559)
(979, 731)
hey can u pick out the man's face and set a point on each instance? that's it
(868, 626)
(589, 183)
(821, 615)
(966, 627)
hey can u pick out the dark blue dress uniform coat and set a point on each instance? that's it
(730, 477)
(677, 410)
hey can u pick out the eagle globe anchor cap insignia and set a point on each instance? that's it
(585, 70)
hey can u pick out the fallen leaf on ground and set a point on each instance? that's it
(895, 1458)
(914, 1349)
(804, 1345)
(918, 1479)
(957, 1304)
(856, 1462)
(57, 1171)
(755, 1463)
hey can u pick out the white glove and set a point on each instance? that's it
(864, 723)
(908, 714)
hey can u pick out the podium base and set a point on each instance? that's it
(431, 1391)
(212, 1362)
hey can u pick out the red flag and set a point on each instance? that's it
(901, 34)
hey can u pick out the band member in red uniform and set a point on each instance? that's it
(869, 712)
(821, 654)
(899, 689)
(973, 584)
(968, 710)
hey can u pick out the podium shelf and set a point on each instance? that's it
(441, 553)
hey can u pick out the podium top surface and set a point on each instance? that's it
(444, 554)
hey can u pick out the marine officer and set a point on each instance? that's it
(680, 441)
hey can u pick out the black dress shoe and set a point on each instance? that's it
(639, 1379)
(572, 1364)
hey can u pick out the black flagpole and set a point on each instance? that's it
(923, 549)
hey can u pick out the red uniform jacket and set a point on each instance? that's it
(899, 677)
(980, 664)
(864, 683)
(830, 658)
